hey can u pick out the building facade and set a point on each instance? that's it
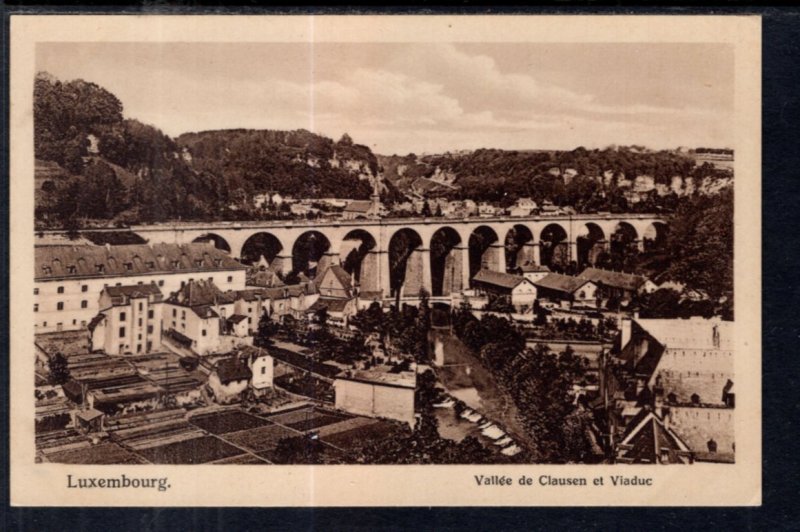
(68, 280)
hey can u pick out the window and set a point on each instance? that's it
(36, 307)
(204, 332)
(129, 266)
(263, 370)
(74, 322)
(71, 269)
(139, 337)
(85, 288)
(84, 304)
(161, 282)
(60, 305)
(141, 306)
(44, 324)
(695, 399)
(140, 322)
(122, 316)
(150, 314)
(183, 314)
(230, 278)
(119, 284)
(712, 445)
(140, 283)
(100, 268)
(149, 329)
(60, 290)
(83, 323)
(210, 279)
(36, 291)
(151, 265)
(122, 332)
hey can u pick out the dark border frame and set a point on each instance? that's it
(780, 402)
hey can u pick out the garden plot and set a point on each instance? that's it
(242, 459)
(195, 451)
(104, 453)
(156, 434)
(363, 436)
(227, 421)
(307, 419)
(261, 438)
(345, 425)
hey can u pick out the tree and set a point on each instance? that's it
(267, 329)
(59, 369)
(426, 209)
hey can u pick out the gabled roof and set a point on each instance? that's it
(625, 281)
(358, 206)
(561, 283)
(205, 312)
(503, 280)
(341, 275)
(646, 437)
(200, 293)
(78, 262)
(237, 318)
(233, 369)
(133, 291)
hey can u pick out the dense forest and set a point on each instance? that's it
(585, 179)
(94, 164)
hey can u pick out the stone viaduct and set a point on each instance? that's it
(438, 254)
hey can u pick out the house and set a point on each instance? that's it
(199, 310)
(486, 209)
(68, 280)
(618, 284)
(682, 371)
(363, 209)
(339, 310)
(129, 320)
(335, 282)
(377, 393)
(567, 291)
(229, 379)
(534, 272)
(523, 207)
(262, 368)
(470, 207)
(505, 288)
(548, 209)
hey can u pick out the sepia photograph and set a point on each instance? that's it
(337, 252)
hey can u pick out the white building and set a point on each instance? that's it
(68, 280)
(377, 393)
(129, 321)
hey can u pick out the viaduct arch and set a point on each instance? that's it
(438, 254)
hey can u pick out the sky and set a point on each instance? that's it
(399, 98)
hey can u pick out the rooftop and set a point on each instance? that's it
(404, 379)
(626, 281)
(561, 283)
(504, 280)
(78, 262)
(198, 293)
